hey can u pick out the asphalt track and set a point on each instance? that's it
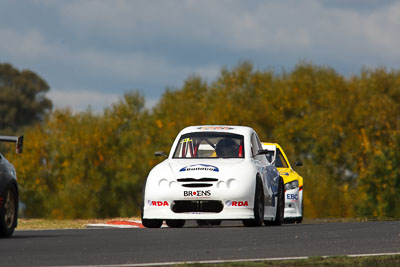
(227, 242)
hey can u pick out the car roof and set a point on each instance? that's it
(271, 146)
(242, 130)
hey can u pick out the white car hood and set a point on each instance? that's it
(199, 168)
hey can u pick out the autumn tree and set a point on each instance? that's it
(345, 130)
(22, 98)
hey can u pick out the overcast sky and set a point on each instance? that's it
(91, 52)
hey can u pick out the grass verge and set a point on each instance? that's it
(378, 261)
(52, 224)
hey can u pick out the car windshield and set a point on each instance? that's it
(210, 145)
(280, 160)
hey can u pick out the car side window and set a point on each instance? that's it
(254, 146)
(258, 143)
(260, 147)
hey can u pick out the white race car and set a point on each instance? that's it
(214, 173)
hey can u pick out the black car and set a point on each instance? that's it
(8, 190)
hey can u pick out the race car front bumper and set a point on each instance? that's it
(293, 199)
(198, 210)
(209, 204)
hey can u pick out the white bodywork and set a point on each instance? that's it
(175, 186)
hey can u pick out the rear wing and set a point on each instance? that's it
(18, 140)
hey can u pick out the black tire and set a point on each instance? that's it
(148, 223)
(280, 209)
(9, 213)
(258, 207)
(152, 223)
(175, 223)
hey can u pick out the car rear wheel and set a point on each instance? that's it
(9, 213)
(175, 223)
(258, 207)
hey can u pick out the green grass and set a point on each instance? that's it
(52, 224)
(376, 261)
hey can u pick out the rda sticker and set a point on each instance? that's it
(232, 203)
(157, 203)
(199, 167)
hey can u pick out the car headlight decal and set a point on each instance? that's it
(292, 185)
(163, 183)
(231, 183)
(173, 184)
(221, 185)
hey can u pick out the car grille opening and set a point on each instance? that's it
(197, 185)
(205, 179)
(200, 182)
(180, 206)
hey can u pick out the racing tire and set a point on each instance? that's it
(280, 208)
(258, 207)
(152, 223)
(148, 223)
(9, 213)
(175, 223)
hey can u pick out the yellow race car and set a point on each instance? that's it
(292, 180)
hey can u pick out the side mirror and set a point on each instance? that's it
(160, 153)
(262, 152)
(298, 163)
(266, 152)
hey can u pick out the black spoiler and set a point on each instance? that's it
(18, 140)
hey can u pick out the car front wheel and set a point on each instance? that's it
(152, 223)
(9, 213)
(258, 207)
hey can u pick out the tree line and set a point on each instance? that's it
(346, 130)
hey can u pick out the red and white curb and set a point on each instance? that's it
(119, 224)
